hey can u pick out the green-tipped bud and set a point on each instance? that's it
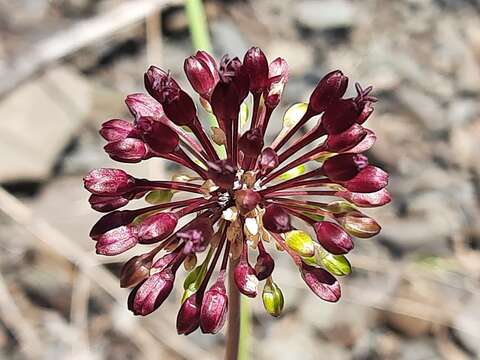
(272, 298)
(156, 197)
(359, 225)
(294, 114)
(335, 264)
(310, 260)
(293, 173)
(300, 242)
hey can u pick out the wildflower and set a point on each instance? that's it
(251, 199)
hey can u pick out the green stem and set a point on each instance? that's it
(201, 41)
(243, 346)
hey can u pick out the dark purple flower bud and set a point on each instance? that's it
(108, 182)
(344, 167)
(321, 282)
(278, 77)
(340, 115)
(160, 138)
(142, 105)
(128, 150)
(201, 71)
(225, 101)
(156, 227)
(256, 65)
(116, 129)
(246, 278)
(213, 312)
(347, 139)
(177, 104)
(222, 173)
(107, 203)
(150, 294)
(188, 318)
(333, 238)
(329, 89)
(251, 142)
(365, 144)
(268, 160)
(111, 221)
(135, 270)
(230, 91)
(276, 219)
(264, 265)
(117, 241)
(368, 180)
(378, 198)
(247, 200)
(197, 235)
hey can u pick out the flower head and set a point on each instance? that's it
(252, 199)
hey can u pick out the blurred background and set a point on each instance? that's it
(66, 66)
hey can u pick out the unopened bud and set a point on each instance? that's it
(128, 150)
(333, 238)
(272, 298)
(300, 242)
(157, 227)
(188, 318)
(276, 219)
(245, 278)
(108, 182)
(156, 197)
(213, 312)
(135, 270)
(321, 282)
(344, 167)
(359, 225)
(116, 129)
(329, 89)
(264, 265)
(251, 143)
(268, 160)
(335, 264)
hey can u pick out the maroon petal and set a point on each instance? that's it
(188, 318)
(268, 160)
(340, 115)
(333, 238)
(329, 89)
(276, 219)
(164, 261)
(142, 105)
(159, 137)
(365, 144)
(116, 129)
(111, 221)
(278, 77)
(370, 179)
(213, 312)
(202, 73)
(347, 139)
(135, 270)
(264, 266)
(251, 143)
(344, 167)
(197, 235)
(366, 112)
(127, 150)
(151, 293)
(222, 173)
(107, 203)
(108, 182)
(256, 65)
(246, 278)
(116, 241)
(378, 198)
(156, 227)
(321, 282)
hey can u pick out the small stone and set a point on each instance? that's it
(325, 15)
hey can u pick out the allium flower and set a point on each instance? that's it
(253, 199)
